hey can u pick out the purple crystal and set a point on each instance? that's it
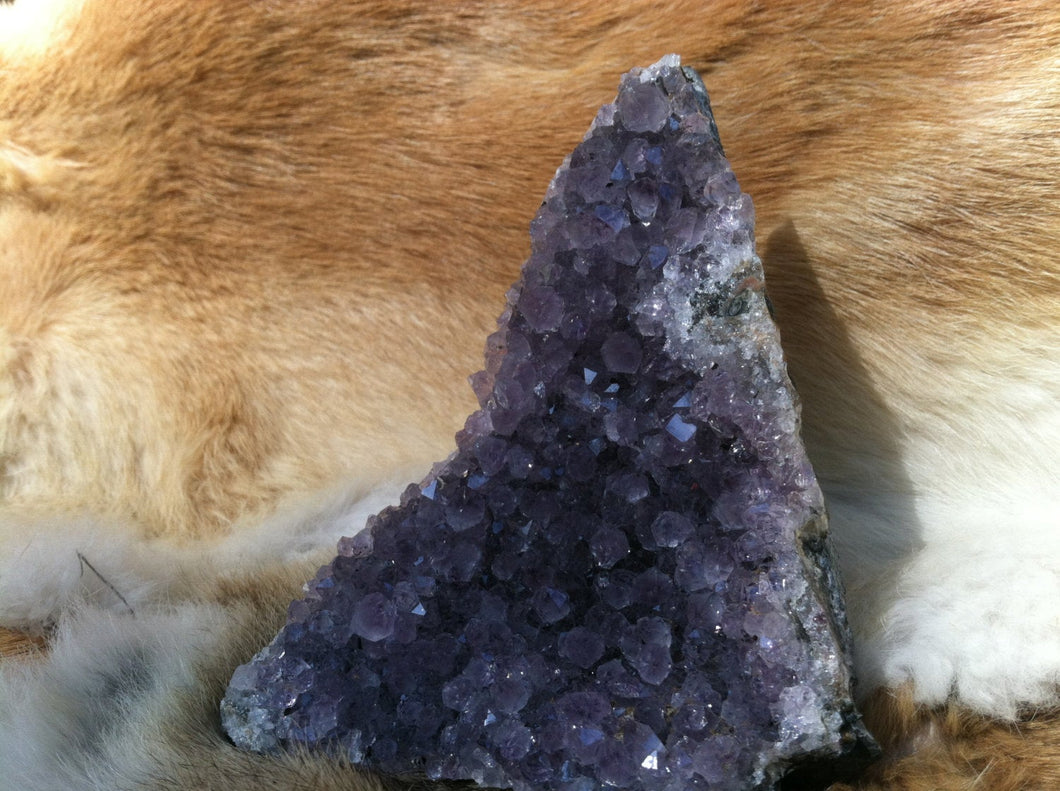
(622, 576)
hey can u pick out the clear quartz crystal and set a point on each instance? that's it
(622, 576)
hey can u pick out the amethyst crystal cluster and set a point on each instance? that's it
(621, 578)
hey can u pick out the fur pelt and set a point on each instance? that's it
(249, 253)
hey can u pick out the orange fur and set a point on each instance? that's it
(282, 211)
(250, 251)
(951, 749)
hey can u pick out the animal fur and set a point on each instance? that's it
(250, 252)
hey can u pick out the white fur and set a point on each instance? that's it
(954, 584)
(31, 28)
(100, 699)
(50, 566)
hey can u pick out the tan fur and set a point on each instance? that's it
(250, 251)
(14, 643)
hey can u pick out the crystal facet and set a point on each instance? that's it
(622, 576)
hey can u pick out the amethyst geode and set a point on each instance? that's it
(621, 578)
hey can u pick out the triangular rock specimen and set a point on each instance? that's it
(621, 578)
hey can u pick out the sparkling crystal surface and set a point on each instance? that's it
(621, 578)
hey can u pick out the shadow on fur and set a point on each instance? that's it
(811, 328)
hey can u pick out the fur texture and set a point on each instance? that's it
(250, 252)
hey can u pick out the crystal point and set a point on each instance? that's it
(622, 576)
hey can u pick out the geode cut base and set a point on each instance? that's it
(622, 576)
